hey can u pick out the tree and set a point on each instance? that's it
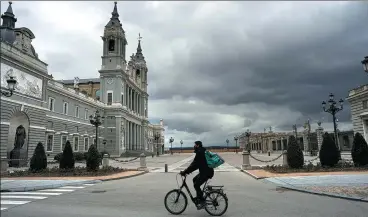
(329, 153)
(39, 159)
(295, 156)
(67, 159)
(359, 151)
(93, 158)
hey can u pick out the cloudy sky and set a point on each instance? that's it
(217, 68)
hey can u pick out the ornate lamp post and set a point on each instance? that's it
(227, 142)
(96, 120)
(365, 64)
(171, 141)
(236, 143)
(295, 128)
(157, 137)
(11, 87)
(181, 146)
(333, 109)
(247, 134)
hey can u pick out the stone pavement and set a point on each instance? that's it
(19, 184)
(32, 185)
(343, 186)
(12, 199)
(143, 196)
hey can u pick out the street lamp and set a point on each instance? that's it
(236, 143)
(11, 87)
(96, 120)
(365, 64)
(333, 109)
(181, 146)
(157, 137)
(247, 134)
(227, 142)
(171, 141)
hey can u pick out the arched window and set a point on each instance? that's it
(111, 45)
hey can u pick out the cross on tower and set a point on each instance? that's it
(139, 37)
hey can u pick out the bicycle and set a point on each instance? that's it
(208, 191)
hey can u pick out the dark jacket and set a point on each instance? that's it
(200, 163)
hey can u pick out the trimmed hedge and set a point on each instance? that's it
(39, 159)
(295, 157)
(359, 151)
(67, 159)
(329, 154)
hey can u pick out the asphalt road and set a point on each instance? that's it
(143, 196)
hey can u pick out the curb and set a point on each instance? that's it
(124, 177)
(251, 175)
(43, 187)
(364, 199)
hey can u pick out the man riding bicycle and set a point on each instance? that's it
(204, 174)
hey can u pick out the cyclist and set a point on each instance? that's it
(204, 174)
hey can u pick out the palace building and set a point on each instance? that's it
(53, 112)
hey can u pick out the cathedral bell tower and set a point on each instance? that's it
(113, 60)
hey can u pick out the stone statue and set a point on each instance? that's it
(319, 123)
(76, 82)
(20, 137)
(18, 154)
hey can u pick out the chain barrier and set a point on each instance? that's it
(265, 161)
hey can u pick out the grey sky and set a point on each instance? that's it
(217, 68)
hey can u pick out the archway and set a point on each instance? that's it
(18, 119)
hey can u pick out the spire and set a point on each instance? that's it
(115, 14)
(114, 20)
(139, 54)
(139, 48)
(8, 17)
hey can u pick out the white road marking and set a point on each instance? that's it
(88, 184)
(3, 208)
(73, 187)
(58, 190)
(22, 197)
(31, 193)
(13, 202)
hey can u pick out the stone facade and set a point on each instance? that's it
(277, 141)
(53, 112)
(358, 99)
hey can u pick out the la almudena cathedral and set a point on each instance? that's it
(41, 109)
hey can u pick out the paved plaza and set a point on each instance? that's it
(143, 195)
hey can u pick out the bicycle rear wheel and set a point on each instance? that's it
(216, 203)
(176, 202)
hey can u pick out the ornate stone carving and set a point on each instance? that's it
(26, 84)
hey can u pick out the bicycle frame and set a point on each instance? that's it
(212, 189)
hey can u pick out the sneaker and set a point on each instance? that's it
(201, 204)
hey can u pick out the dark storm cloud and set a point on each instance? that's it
(276, 63)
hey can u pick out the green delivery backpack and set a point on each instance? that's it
(213, 159)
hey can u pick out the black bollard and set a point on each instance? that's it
(166, 169)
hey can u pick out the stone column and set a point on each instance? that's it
(319, 132)
(305, 142)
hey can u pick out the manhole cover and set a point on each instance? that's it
(98, 191)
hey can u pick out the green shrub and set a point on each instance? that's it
(295, 156)
(93, 159)
(85, 155)
(67, 159)
(58, 157)
(78, 156)
(359, 151)
(329, 154)
(39, 159)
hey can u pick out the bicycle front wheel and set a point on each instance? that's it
(216, 203)
(176, 202)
